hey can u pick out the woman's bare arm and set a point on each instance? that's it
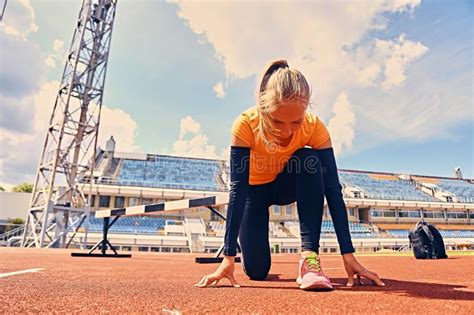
(237, 142)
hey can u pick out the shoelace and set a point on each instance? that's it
(313, 261)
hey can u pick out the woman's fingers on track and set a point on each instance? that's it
(214, 280)
(205, 281)
(372, 276)
(201, 281)
(376, 279)
(233, 281)
(350, 280)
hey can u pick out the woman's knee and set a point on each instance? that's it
(259, 276)
(257, 273)
(256, 262)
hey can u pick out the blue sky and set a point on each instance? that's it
(393, 81)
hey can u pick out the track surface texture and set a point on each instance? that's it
(164, 283)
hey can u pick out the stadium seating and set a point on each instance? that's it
(275, 230)
(129, 225)
(218, 227)
(195, 226)
(455, 227)
(152, 226)
(456, 233)
(383, 188)
(357, 230)
(175, 172)
(174, 227)
(396, 226)
(444, 233)
(462, 189)
(172, 173)
(397, 233)
(293, 227)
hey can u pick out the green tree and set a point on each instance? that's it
(2, 189)
(23, 187)
(16, 221)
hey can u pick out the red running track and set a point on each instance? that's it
(164, 283)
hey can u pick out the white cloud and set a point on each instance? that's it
(328, 43)
(379, 23)
(383, 62)
(21, 68)
(188, 125)
(121, 125)
(192, 142)
(57, 54)
(58, 45)
(49, 61)
(369, 74)
(341, 126)
(16, 113)
(114, 121)
(401, 5)
(399, 54)
(19, 19)
(219, 90)
(231, 35)
(27, 100)
(21, 148)
(244, 45)
(225, 153)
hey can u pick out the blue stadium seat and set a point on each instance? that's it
(383, 188)
(129, 225)
(173, 173)
(444, 233)
(462, 189)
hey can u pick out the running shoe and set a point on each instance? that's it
(310, 274)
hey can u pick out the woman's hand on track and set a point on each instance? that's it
(353, 267)
(225, 270)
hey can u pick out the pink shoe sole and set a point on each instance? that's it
(317, 286)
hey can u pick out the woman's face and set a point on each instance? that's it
(288, 118)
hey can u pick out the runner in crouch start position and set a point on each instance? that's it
(280, 153)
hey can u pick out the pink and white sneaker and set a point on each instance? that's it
(310, 274)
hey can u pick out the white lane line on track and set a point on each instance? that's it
(14, 273)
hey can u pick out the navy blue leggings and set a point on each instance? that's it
(301, 180)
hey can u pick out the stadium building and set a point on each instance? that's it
(381, 207)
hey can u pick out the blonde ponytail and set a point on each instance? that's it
(279, 84)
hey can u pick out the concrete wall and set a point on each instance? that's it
(14, 205)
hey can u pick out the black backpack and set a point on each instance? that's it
(427, 242)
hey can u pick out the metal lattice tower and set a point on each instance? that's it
(3, 10)
(58, 205)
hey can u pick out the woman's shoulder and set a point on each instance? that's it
(248, 117)
(312, 120)
(245, 124)
(250, 113)
(316, 131)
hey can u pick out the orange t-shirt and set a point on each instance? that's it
(265, 165)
